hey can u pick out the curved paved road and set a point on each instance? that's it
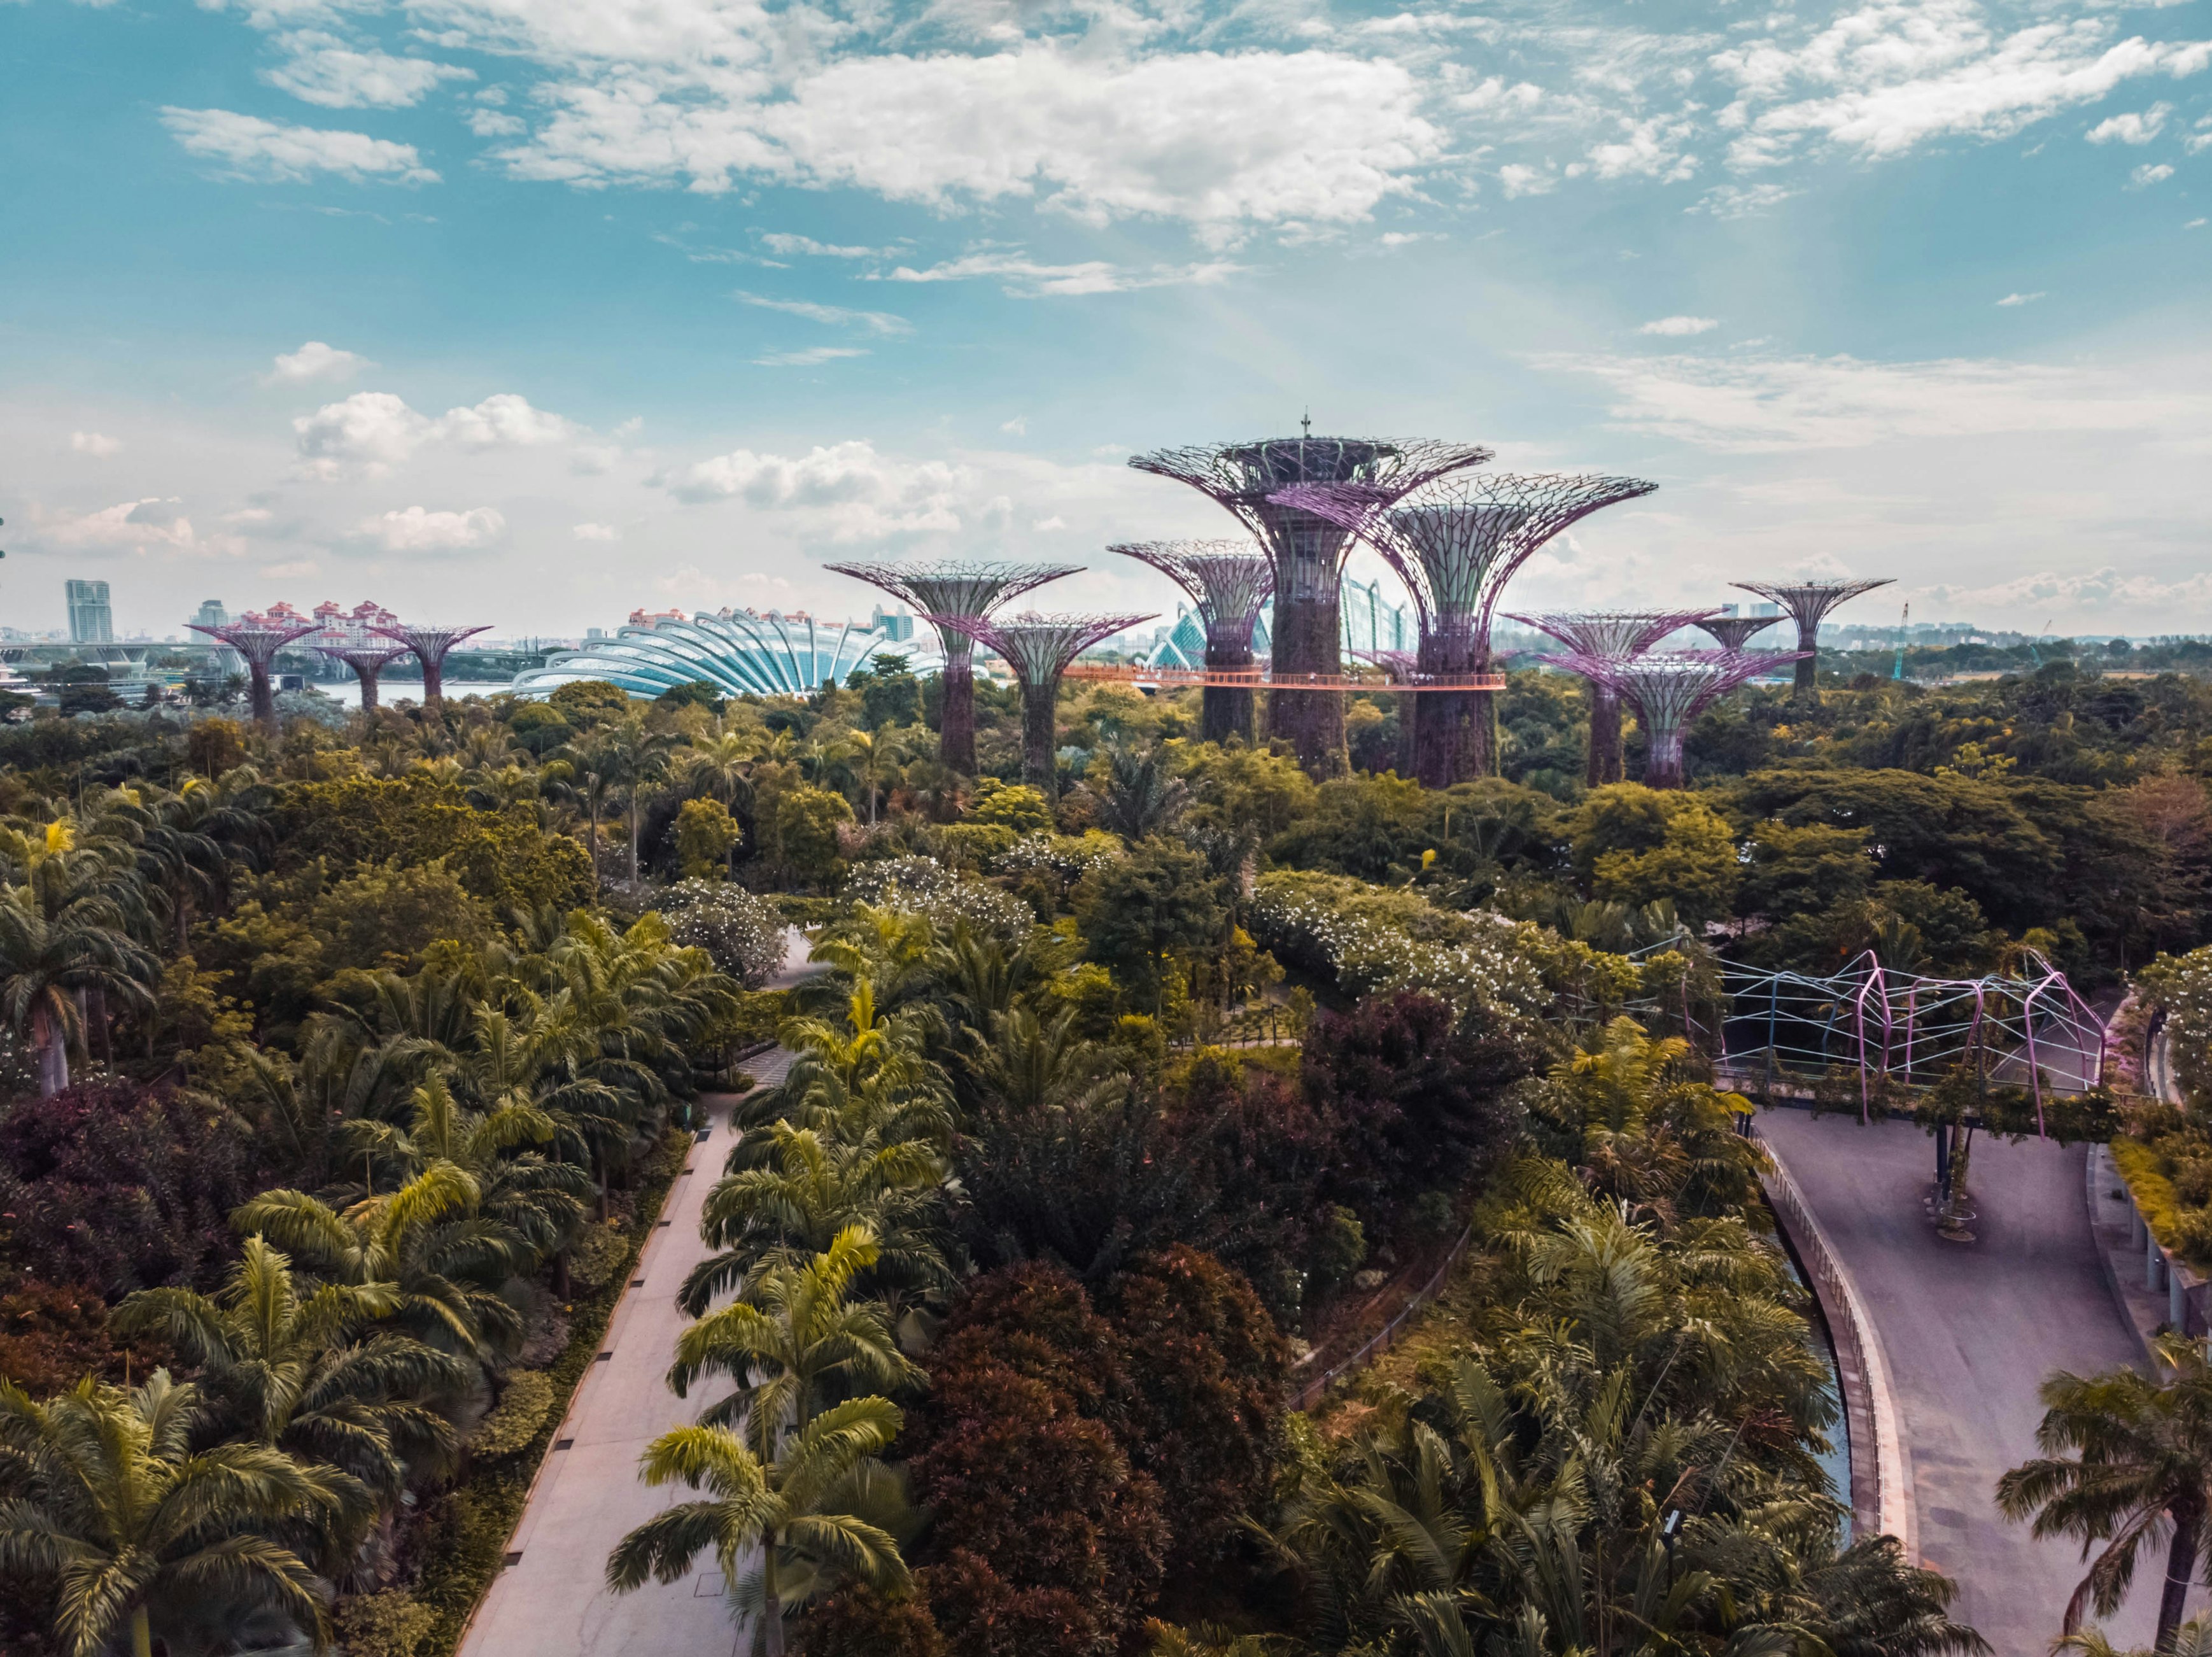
(1970, 1332)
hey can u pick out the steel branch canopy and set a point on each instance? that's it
(430, 645)
(366, 654)
(1228, 581)
(258, 642)
(1734, 632)
(1039, 648)
(1807, 602)
(1670, 688)
(1607, 634)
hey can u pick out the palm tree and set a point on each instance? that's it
(292, 1371)
(47, 957)
(1140, 797)
(796, 1508)
(797, 1335)
(1030, 1067)
(444, 1261)
(872, 750)
(2125, 1459)
(107, 1497)
(2192, 1639)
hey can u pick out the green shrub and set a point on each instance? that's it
(502, 857)
(597, 1255)
(391, 1623)
(524, 1403)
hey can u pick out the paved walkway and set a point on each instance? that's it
(555, 1601)
(1970, 1332)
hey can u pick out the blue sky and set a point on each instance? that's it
(530, 313)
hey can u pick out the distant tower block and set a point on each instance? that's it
(1735, 632)
(257, 644)
(945, 593)
(1308, 552)
(1455, 543)
(367, 656)
(1670, 688)
(1607, 634)
(430, 645)
(1227, 581)
(1038, 648)
(1806, 603)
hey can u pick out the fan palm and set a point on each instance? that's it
(2126, 1459)
(290, 1368)
(1030, 1066)
(104, 1497)
(797, 1336)
(1140, 795)
(793, 1506)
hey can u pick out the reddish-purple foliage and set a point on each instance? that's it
(122, 1186)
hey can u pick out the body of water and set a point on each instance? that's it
(346, 692)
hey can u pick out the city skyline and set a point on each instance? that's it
(547, 313)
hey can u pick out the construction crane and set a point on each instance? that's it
(1898, 670)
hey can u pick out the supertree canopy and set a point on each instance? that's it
(1807, 602)
(1735, 632)
(942, 593)
(1607, 634)
(1308, 552)
(1670, 688)
(366, 654)
(430, 644)
(1455, 542)
(257, 641)
(1227, 581)
(1038, 648)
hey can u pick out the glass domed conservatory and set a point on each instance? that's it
(738, 652)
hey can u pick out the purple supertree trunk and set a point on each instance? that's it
(257, 644)
(1038, 648)
(1601, 636)
(1227, 581)
(1806, 603)
(956, 727)
(430, 645)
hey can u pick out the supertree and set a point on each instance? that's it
(1455, 543)
(429, 645)
(1734, 632)
(257, 642)
(1038, 648)
(366, 654)
(1607, 634)
(940, 593)
(1807, 602)
(1670, 688)
(1308, 552)
(1227, 581)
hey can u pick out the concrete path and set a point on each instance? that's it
(1970, 1332)
(554, 1602)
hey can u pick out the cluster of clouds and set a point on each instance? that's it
(1227, 123)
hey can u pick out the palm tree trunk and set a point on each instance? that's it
(2180, 1566)
(772, 1601)
(633, 837)
(595, 848)
(142, 1633)
(52, 1045)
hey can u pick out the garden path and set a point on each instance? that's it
(553, 1601)
(1970, 1332)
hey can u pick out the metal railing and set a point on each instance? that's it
(1387, 1337)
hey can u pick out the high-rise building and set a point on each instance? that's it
(90, 621)
(210, 614)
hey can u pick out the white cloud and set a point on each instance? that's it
(1523, 180)
(312, 362)
(415, 530)
(1675, 326)
(777, 241)
(594, 531)
(2143, 177)
(1759, 404)
(1027, 278)
(251, 148)
(322, 68)
(2199, 140)
(812, 357)
(1219, 140)
(376, 430)
(1894, 74)
(854, 493)
(1044, 525)
(2081, 594)
(153, 524)
(876, 322)
(2022, 299)
(1018, 427)
(98, 445)
(1730, 201)
(2135, 127)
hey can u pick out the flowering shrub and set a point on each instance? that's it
(743, 931)
(1070, 857)
(923, 886)
(2181, 985)
(1376, 941)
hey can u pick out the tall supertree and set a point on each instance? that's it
(1607, 634)
(1308, 552)
(1735, 632)
(256, 640)
(1038, 648)
(1455, 543)
(430, 645)
(367, 654)
(940, 593)
(1807, 602)
(1227, 581)
(1670, 688)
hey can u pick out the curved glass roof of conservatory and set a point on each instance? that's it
(738, 652)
